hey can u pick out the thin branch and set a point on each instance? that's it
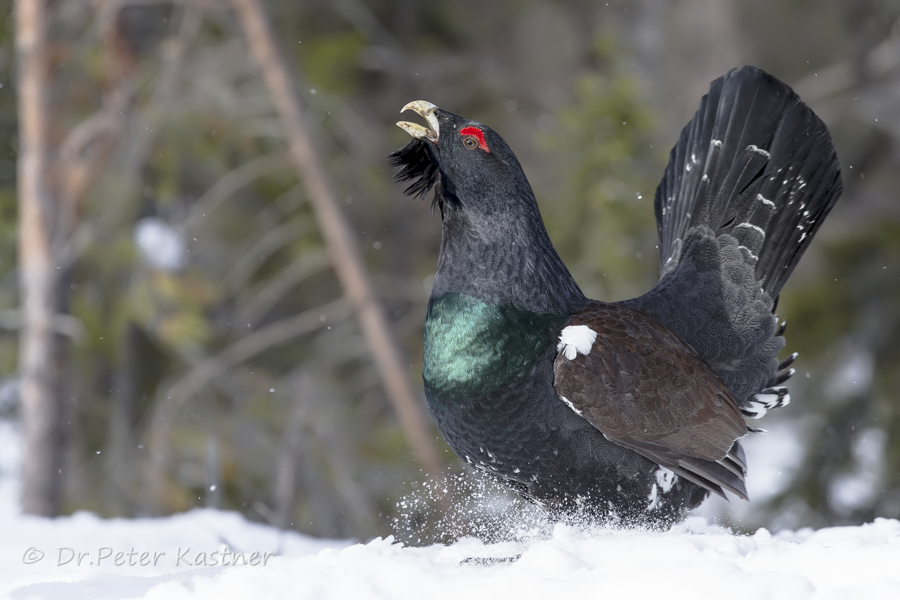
(244, 349)
(246, 265)
(173, 53)
(84, 153)
(61, 323)
(359, 15)
(201, 374)
(235, 179)
(204, 4)
(275, 288)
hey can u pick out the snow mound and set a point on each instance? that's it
(220, 555)
(214, 554)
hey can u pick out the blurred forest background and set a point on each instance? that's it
(203, 347)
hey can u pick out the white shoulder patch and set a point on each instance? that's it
(575, 340)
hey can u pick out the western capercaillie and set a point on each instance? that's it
(629, 410)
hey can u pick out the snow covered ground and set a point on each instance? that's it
(214, 554)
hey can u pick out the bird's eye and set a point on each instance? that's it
(473, 137)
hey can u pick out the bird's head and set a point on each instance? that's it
(467, 164)
(493, 243)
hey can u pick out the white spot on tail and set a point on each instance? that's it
(762, 403)
(570, 405)
(758, 150)
(753, 256)
(575, 340)
(765, 201)
(717, 143)
(759, 230)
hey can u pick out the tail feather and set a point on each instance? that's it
(748, 184)
(756, 163)
(712, 475)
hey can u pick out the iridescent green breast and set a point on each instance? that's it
(472, 347)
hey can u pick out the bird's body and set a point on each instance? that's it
(630, 410)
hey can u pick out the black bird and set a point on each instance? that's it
(627, 411)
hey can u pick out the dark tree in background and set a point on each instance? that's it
(201, 346)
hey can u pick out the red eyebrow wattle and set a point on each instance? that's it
(477, 134)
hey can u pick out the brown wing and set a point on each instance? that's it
(645, 389)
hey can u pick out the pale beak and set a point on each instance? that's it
(426, 110)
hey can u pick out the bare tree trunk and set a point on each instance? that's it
(42, 406)
(341, 243)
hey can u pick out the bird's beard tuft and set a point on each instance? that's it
(416, 165)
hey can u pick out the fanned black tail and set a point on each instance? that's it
(748, 184)
(754, 162)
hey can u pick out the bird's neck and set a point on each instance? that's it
(501, 295)
(505, 261)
